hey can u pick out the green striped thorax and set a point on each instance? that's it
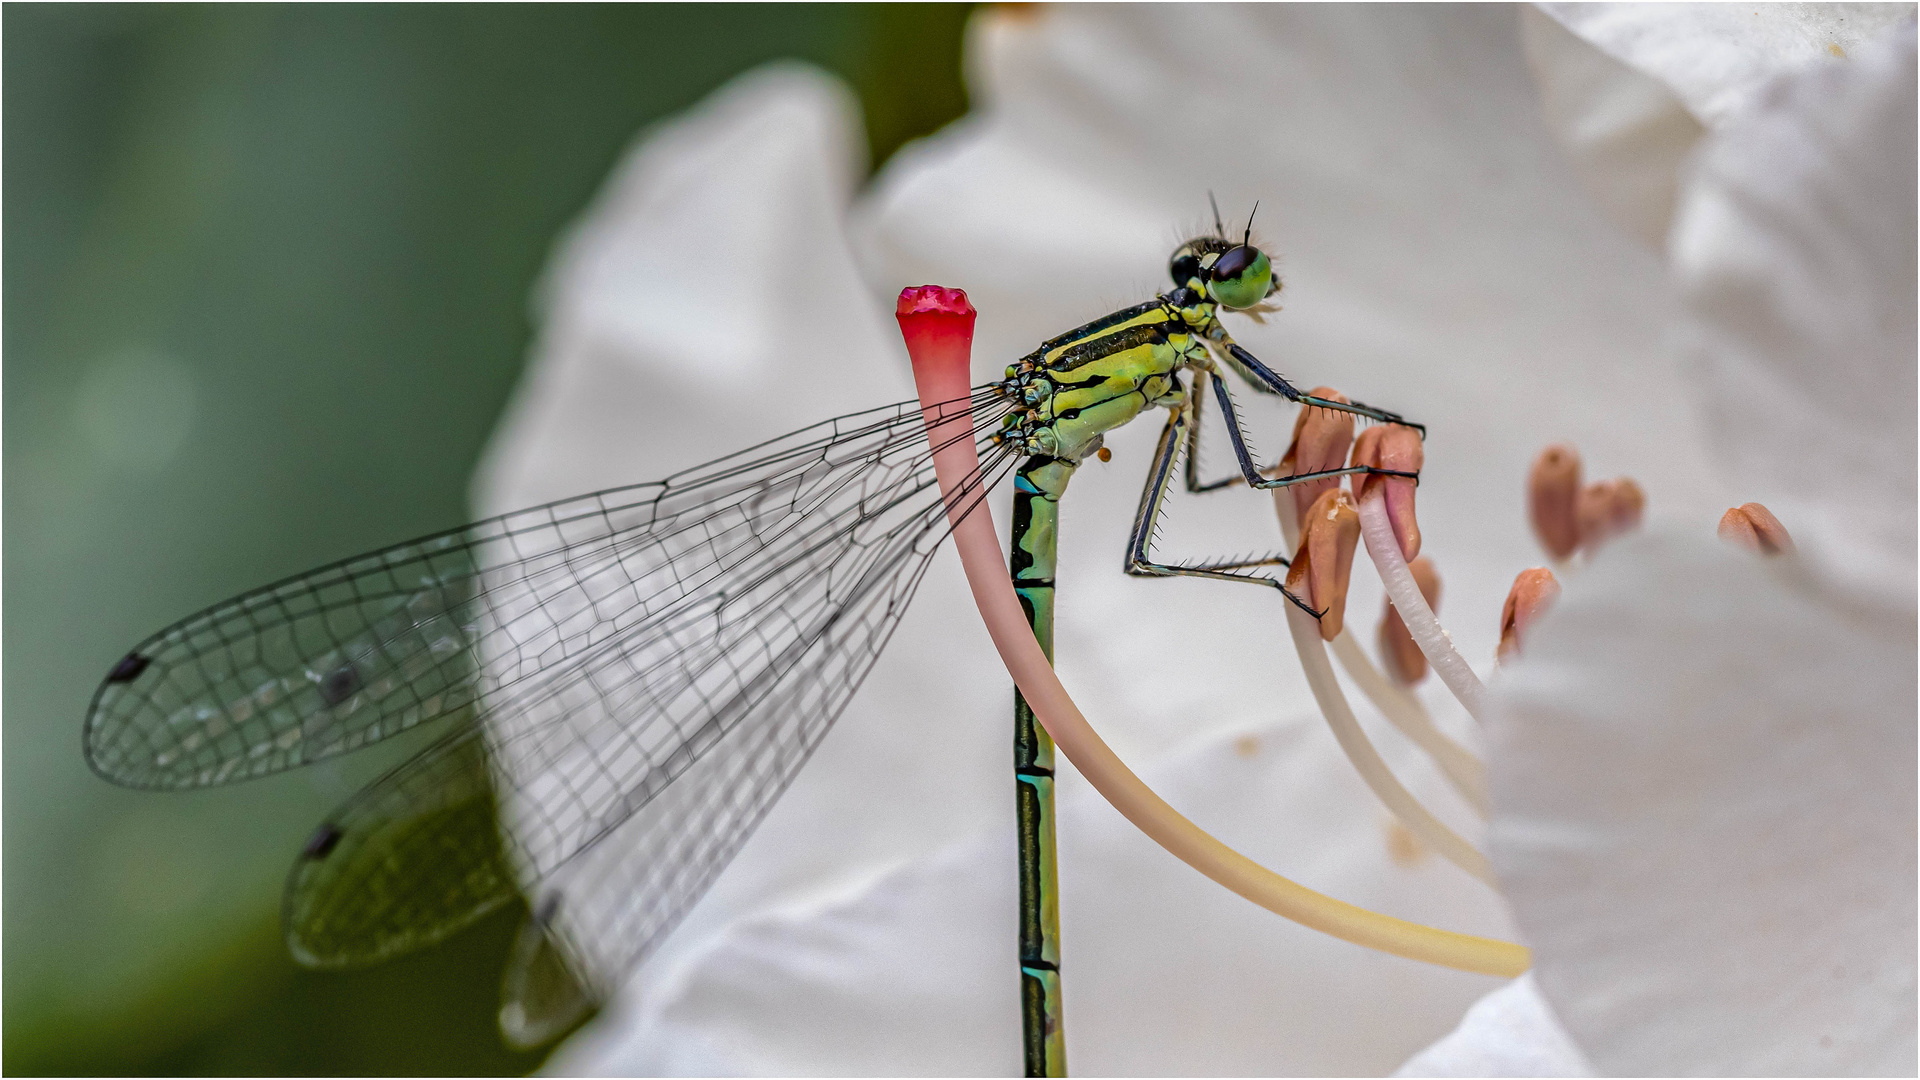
(1074, 389)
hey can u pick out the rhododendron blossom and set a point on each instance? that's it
(1683, 247)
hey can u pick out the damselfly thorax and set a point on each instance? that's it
(1077, 387)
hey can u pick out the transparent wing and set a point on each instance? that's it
(721, 634)
(613, 886)
(542, 996)
(360, 650)
(317, 665)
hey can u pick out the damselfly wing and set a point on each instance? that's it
(648, 666)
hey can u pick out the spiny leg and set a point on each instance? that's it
(1140, 560)
(1251, 473)
(1198, 404)
(1265, 379)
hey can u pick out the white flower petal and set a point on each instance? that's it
(1795, 251)
(1718, 57)
(1164, 972)
(1510, 1032)
(1704, 808)
(1703, 793)
(1624, 132)
(706, 300)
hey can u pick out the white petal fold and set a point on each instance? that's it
(1704, 806)
(1510, 1032)
(705, 301)
(1794, 250)
(1624, 132)
(1703, 789)
(1718, 57)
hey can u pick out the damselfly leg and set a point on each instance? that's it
(1181, 435)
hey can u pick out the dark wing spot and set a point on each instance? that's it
(340, 684)
(129, 668)
(322, 842)
(549, 907)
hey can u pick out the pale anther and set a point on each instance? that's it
(1321, 439)
(1553, 489)
(1323, 565)
(1754, 527)
(1608, 509)
(1532, 593)
(1396, 448)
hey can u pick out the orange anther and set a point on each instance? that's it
(1404, 661)
(1323, 566)
(1532, 593)
(1608, 509)
(1553, 490)
(1396, 447)
(1754, 527)
(1321, 438)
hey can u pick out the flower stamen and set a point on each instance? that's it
(1392, 536)
(1402, 659)
(1608, 509)
(1323, 561)
(1553, 490)
(1462, 769)
(1321, 439)
(1397, 449)
(1754, 527)
(1532, 593)
(1328, 538)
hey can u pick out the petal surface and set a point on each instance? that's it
(1718, 57)
(1510, 1032)
(1794, 250)
(1704, 805)
(1165, 973)
(1624, 131)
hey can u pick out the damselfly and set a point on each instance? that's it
(627, 680)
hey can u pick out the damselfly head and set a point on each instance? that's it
(1184, 267)
(1242, 277)
(1237, 275)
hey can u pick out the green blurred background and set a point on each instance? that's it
(266, 289)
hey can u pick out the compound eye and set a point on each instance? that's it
(1242, 277)
(1184, 268)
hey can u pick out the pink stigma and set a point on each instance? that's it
(937, 323)
(933, 300)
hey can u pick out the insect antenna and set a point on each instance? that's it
(1218, 229)
(1248, 237)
